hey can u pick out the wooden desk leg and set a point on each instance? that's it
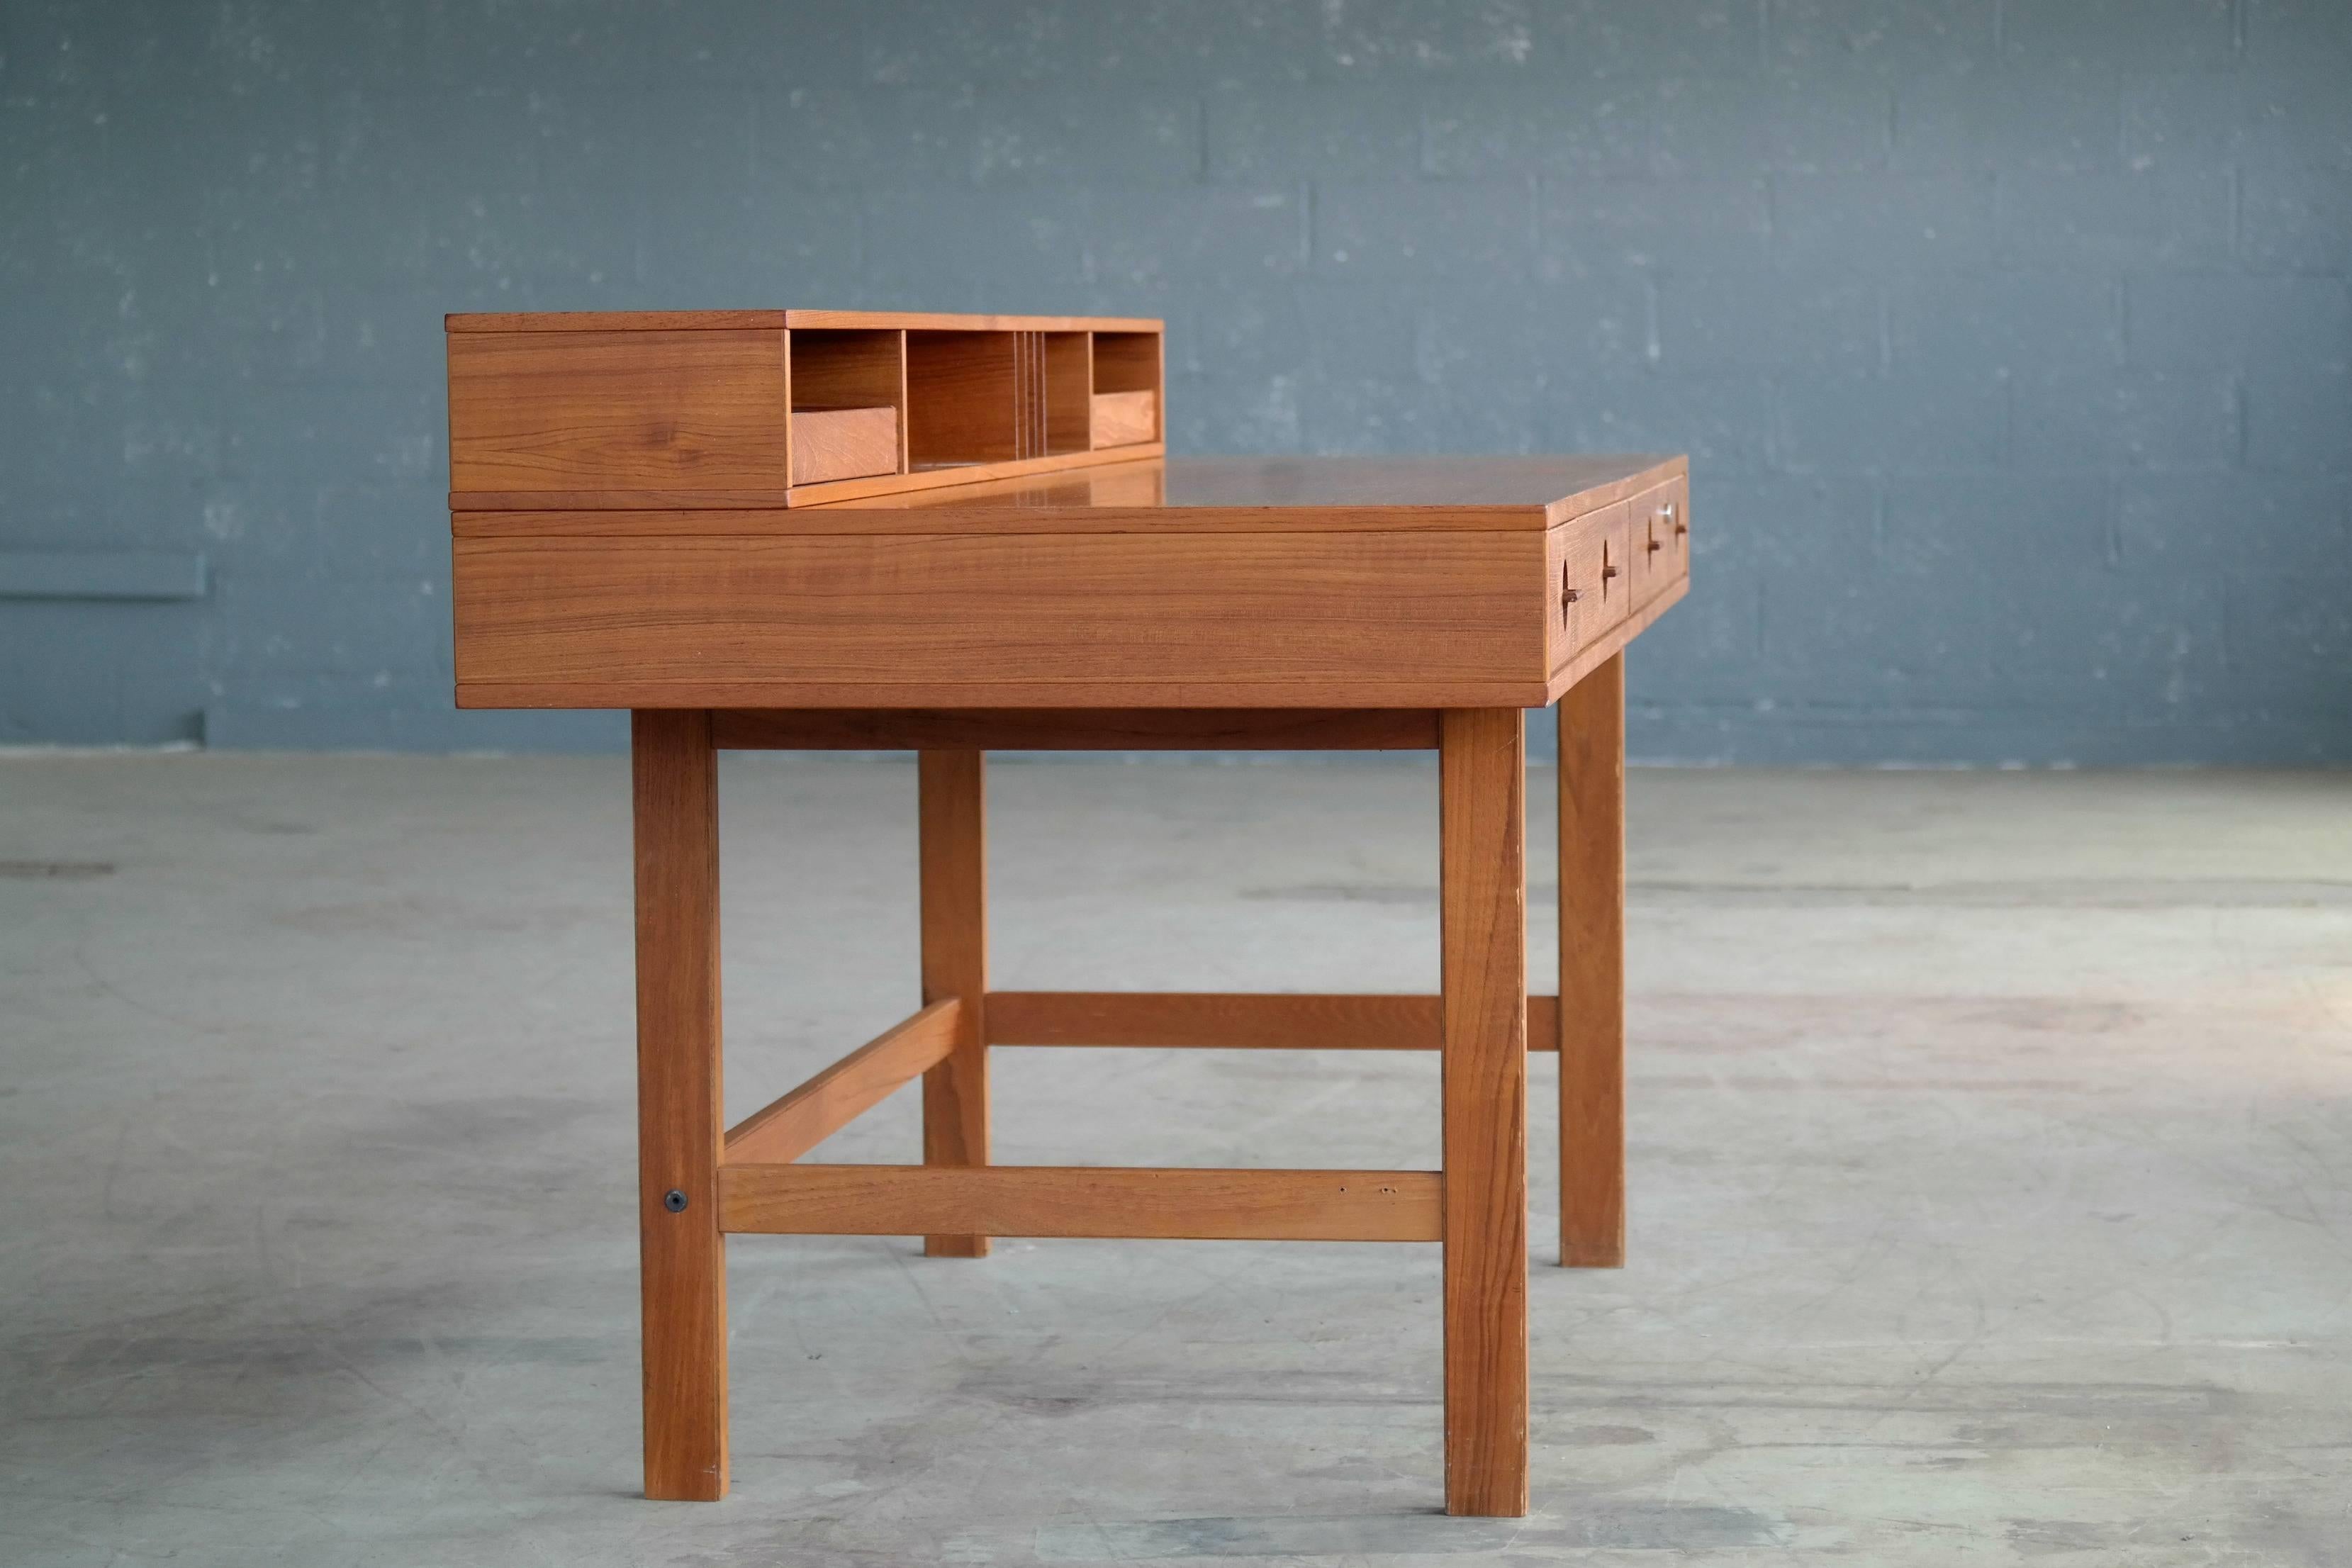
(682, 1255)
(955, 964)
(1481, 808)
(1593, 970)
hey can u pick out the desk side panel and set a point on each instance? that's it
(1386, 619)
(621, 412)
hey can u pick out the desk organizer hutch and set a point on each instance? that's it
(823, 529)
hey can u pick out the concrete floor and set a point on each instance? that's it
(1991, 1158)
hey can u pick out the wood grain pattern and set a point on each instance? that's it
(618, 412)
(844, 444)
(1593, 970)
(1482, 812)
(1188, 620)
(1124, 418)
(739, 321)
(1084, 1200)
(1237, 1020)
(796, 1122)
(683, 1255)
(1076, 730)
(951, 806)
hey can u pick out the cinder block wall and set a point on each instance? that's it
(2009, 337)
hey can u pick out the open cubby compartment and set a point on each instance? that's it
(1124, 396)
(961, 399)
(996, 397)
(848, 403)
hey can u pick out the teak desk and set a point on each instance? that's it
(1147, 604)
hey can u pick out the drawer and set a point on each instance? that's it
(1124, 418)
(1660, 539)
(1591, 587)
(844, 444)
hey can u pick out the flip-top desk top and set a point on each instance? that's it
(1187, 583)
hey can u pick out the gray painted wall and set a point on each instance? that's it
(2010, 341)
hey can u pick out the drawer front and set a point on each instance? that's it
(1660, 539)
(1591, 588)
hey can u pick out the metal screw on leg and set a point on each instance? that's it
(674, 1200)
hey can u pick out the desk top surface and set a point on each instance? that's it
(1333, 583)
(1481, 493)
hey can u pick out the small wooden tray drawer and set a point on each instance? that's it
(844, 444)
(1124, 418)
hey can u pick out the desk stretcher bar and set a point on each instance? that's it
(797, 1122)
(760, 1189)
(1082, 1201)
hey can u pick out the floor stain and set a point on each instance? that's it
(1608, 1526)
(1605, 1437)
(55, 871)
(2050, 1537)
